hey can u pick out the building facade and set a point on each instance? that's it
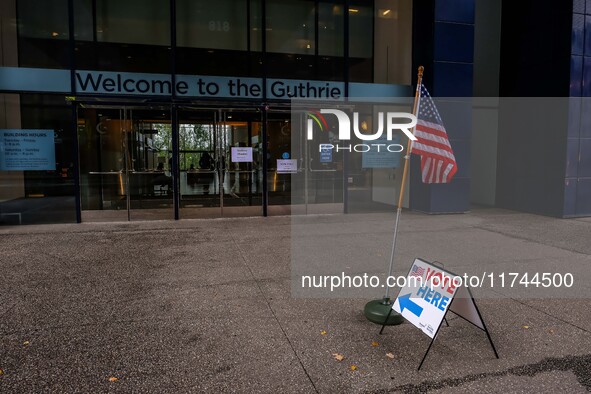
(130, 110)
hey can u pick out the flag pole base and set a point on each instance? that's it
(377, 311)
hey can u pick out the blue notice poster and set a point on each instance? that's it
(379, 156)
(27, 150)
(325, 155)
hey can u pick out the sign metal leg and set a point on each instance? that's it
(386, 321)
(427, 352)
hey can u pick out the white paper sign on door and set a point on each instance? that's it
(289, 166)
(241, 154)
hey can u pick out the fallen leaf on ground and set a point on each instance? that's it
(1, 372)
(322, 332)
(113, 379)
(353, 367)
(374, 344)
(389, 355)
(338, 357)
(551, 331)
(26, 343)
(526, 327)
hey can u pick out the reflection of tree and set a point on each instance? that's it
(162, 140)
(193, 140)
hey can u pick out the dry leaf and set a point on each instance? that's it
(1, 372)
(526, 327)
(338, 357)
(374, 344)
(390, 355)
(26, 343)
(322, 332)
(113, 379)
(353, 367)
(551, 331)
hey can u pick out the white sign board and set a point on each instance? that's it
(464, 306)
(241, 154)
(426, 297)
(287, 166)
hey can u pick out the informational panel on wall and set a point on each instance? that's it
(27, 150)
(382, 153)
(241, 154)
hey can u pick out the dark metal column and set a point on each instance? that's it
(174, 115)
(265, 108)
(75, 153)
(346, 80)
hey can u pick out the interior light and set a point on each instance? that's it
(354, 10)
(386, 12)
(55, 34)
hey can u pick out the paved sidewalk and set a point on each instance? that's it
(206, 306)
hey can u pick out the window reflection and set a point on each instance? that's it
(133, 21)
(290, 26)
(223, 26)
(330, 29)
(360, 31)
(43, 19)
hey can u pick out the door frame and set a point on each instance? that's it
(219, 117)
(126, 110)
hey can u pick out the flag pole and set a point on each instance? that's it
(404, 176)
(379, 311)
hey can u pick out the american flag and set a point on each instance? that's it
(438, 163)
(417, 271)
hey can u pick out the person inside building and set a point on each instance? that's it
(206, 163)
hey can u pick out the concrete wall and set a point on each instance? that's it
(12, 183)
(485, 123)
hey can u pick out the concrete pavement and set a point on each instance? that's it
(207, 306)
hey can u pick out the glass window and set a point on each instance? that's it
(83, 24)
(290, 26)
(360, 31)
(393, 42)
(330, 29)
(43, 19)
(133, 21)
(221, 26)
(256, 26)
(37, 183)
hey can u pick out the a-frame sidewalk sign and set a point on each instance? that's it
(430, 292)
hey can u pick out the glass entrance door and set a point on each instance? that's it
(301, 178)
(220, 162)
(125, 163)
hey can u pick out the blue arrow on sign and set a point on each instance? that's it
(406, 303)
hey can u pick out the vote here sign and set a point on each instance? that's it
(427, 295)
